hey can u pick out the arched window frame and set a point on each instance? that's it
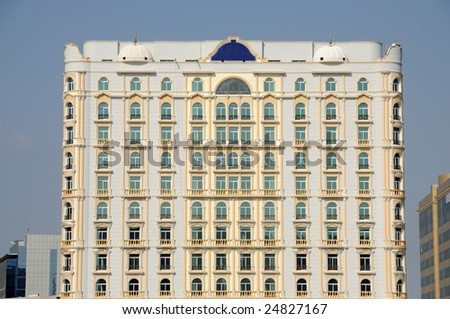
(300, 211)
(166, 84)
(300, 85)
(363, 112)
(102, 160)
(332, 211)
(330, 85)
(233, 111)
(221, 211)
(269, 161)
(102, 210)
(269, 211)
(363, 84)
(69, 111)
(135, 84)
(135, 111)
(197, 85)
(103, 111)
(245, 111)
(166, 160)
(103, 84)
(331, 111)
(245, 211)
(300, 111)
(134, 211)
(197, 111)
(364, 211)
(269, 85)
(165, 210)
(221, 160)
(166, 111)
(70, 84)
(197, 211)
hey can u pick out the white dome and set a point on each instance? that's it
(134, 53)
(330, 53)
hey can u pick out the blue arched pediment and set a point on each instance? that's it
(233, 86)
(233, 51)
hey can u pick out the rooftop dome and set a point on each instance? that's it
(330, 53)
(134, 53)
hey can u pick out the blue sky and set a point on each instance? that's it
(33, 34)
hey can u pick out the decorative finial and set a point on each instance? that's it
(331, 39)
(135, 38)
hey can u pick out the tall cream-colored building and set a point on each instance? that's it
(245, 169)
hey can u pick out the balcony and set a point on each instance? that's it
(101, 294)
(166, 193)
(69, 192)
(166, 242)
(221, 242)
(233, 117)
(135, 192)
(271, 192)
(165, 294)
(196, 294)
(134, 243)
(397, 193)
(399, 295)
(221, 117)
(221, 294)
(197, 192)
(330, 117)
(270, 268)
(134, 294)
(196, 242)
(246, 242)
(300, 142)
(363, 166)
(102, 243)
(67, 243)
(245, 268)
(167, 142)
(366, 294)
(398, 243)
(364, 192)
(102, 166)
(301, 267)
(330, 141)
(333, 294)
(103, 193)
(101, 268)
(270, 242)
(363, 142)
(365, 243)
(135, 117)
(271, 294)
(165, 267)
(301, 192)
(301, 243)
(332, 243)
(269, 142)
(104, 142)
(67, 295)
(333, 268)
(302, 294)
(247, 294)
(331, 193)
(363, 117)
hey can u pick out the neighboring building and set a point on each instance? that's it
(233, 169)
(31, 268)
(434, 225)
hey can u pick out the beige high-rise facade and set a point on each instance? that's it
(434, 226)
(244, 169)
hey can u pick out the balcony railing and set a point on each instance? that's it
(196, 267)
(167, 141)
(300, 116)
(197, 192)
(245, 267)
(233, 117)
(134, 243)
(366, 294)
(196, 294)
(271, 294)
(399, 295)
(196, 242)
(246, 242)
(332, 242)
(69, 116)
(221, 117)
(363, 166)
(166, 242)
(220, 242)
(365, 268)
(103, 192)
(396, 117)
(66, 268)
(102, 242)
(333, 294)
(332, 193)
(101, 267)
(165, 294)
(363, 117)
(364, 192)
(270, 267)
(397, 193)
(301, 192)
(301, 242)
(101, 294)
(397, 167)
(69, 141)
(166, 117)
(134, 294)
(300, 142)
(398, 243)
(247, 294)
(135, 192)
(165, 267)
(300, 267)
(245, 116)
(221, 267)
(221, 294)
(365, 242)
(103, 116)
(67, 243)
(270, 242)
(363, 142)
(166, 192)
(331, 141)
(302, 294)
(197, 117)
(103, 142)
(135, 116)
(332, 267)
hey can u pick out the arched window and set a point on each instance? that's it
(398, 211)
(269, 161)
(302, 285)
(396, 85)
(135, 210)
(164, 285)
(197, 211)
(396, 112)
(269, 211)
(300, 111)
(362, 84)
(233, 111)
(135, 111)
(197, 111)
(363, 111)
(245, 211)
(331, 111)
(300, 85)
(135, 84)
(363, 161)
(197, 284)
(70, 84)
(102, 160)
(246, 284)
(103, 111)
(103, 84)
(221, 284)
(300, 211)
(365, 285)
(166, 211)
(102, 211)
(269, 111)
(245, 111)
(221, 161)
(245, 160)
(69, 160)
(269, 285)
(399, 286)
(69, 111)
(197, 160)
(333, 285)
(221, 111)
(233, 86)
(68, 211)
(197, 85)
(331, 161)
(269, 85)
(135, 160)
(221, 211)
(300, 160)
(330, 85)
(364, 211)
(233, 160)
(100, 285)
(331, 211)
(66, 285)
(166, 160)
(166, 84)
(133, 285)
(166, 111)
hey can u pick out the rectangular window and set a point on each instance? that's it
(300, 233)
(103, 132)
(364, 262)
(269, 233)
(331, 183)
(332, 233)
(133, 261)
(301, 261)
(397, 183)
(68, 233)
(332, 262)
(246, 182)
(221, 232)
(233, 135)
(300, 133)
(331, 135)
(102, 233)
(363, 133)
(102, 182)
(364, 183)
(134, 233)
(135, 182)
(166, 133)
(197, 261)
(269, 261)
(233, 182)
(221, 262)
(197, 182)
(221, 182)
(197, 135)
(300, 182)
(164, 261)
(269, 182)
(197, 233)
(69, 182)
(166, 182)
(246, 261)
(165, 233)
(69, 135)
(101, 262)
(269, 135)
(364, 233)
(246, 135)
(245, 233)
(221, 135)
